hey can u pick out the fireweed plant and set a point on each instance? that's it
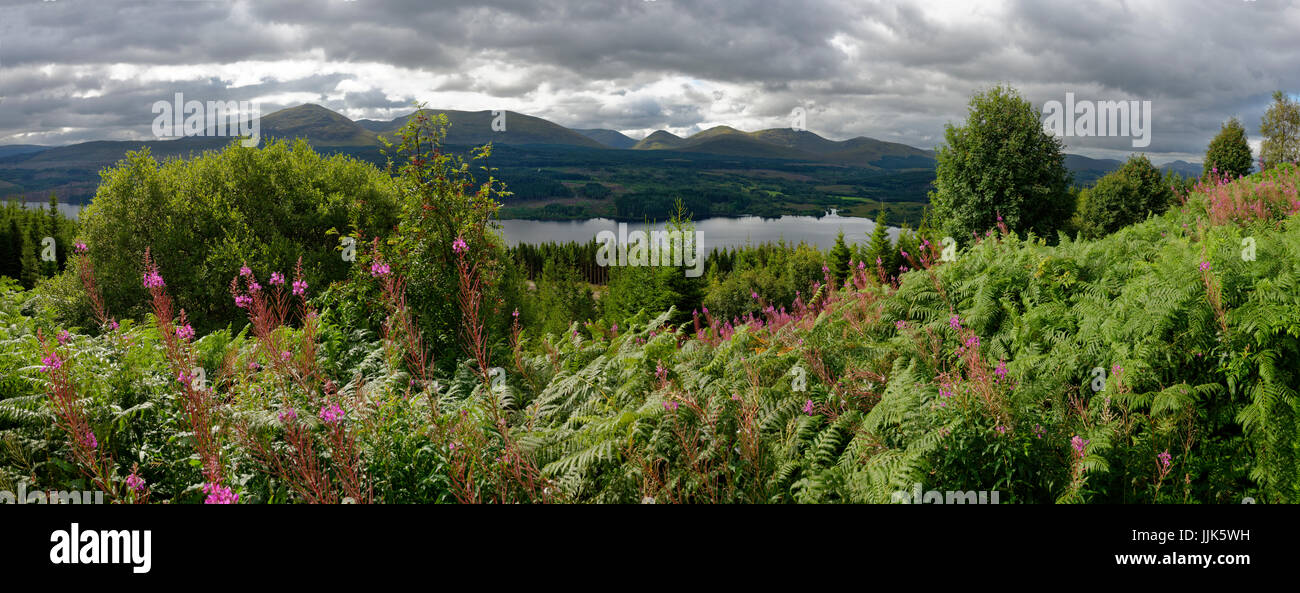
(1155, 364)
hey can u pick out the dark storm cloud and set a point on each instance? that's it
(899, 70)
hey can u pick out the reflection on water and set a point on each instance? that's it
(68, 210)
(716, 232)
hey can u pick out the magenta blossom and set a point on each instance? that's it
(80, 247)
(277, 279)
(243, 301)
(955, 322)
(135, 482)
(1080, 444)
(299, 287)
(1165, 459)
(245, 271)
(218, 494)
(1001, 371)
(88, 440)
(185, 332)
(808, 407)
(51, 362)
(378, 269)
(1205, 266)
(153, 280)
(670, 405)
(64, 336)
(331, 414)
(288, 415)
(459, 245)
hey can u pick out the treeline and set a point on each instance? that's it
(25, 253)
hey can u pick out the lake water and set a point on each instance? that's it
(819, 231)
(68, 210)
(715, 232)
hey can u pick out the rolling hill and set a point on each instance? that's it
(475, 128)
(792, 144)
(545, 163)
(610, 138)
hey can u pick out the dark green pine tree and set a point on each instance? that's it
(11, 250)
(839, 259)
(30, 265)
(880, 246)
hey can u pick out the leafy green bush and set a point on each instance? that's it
(207, 216)
(1123, 197)
(1001, 163)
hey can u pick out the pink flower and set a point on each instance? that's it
(1080, 444)
(277, 279)
(285, 355)
(1165, 459)
(331, 414)
(299, 287)
(288, 415)
(254, 286)
(64, 336)
(243, 301)
(218, 494)
(1205, 266)
(1001, 371)
(808, 407)
(185, 332)
(754, 295)
(80, 247)
(378, 269)
(112, 325)
(51, 362)
(955, 322)
(661, 373)
(153, 280)
(135, 482)
(88, 440)
(670, 405)
(900, 324)
(459, 245)
(245, 271)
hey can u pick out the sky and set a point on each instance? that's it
(896, 70)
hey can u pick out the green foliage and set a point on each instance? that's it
(1280, 129)
(1123, 197)
(22, 234)
(207, 216)
(1000, 163)
(978, 374)
(1229, 152)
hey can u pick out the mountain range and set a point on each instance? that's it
(31, 171)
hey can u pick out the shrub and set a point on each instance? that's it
(1123, 197)
(209, 215)
(1000, 163)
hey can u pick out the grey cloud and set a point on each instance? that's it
(596, 63)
